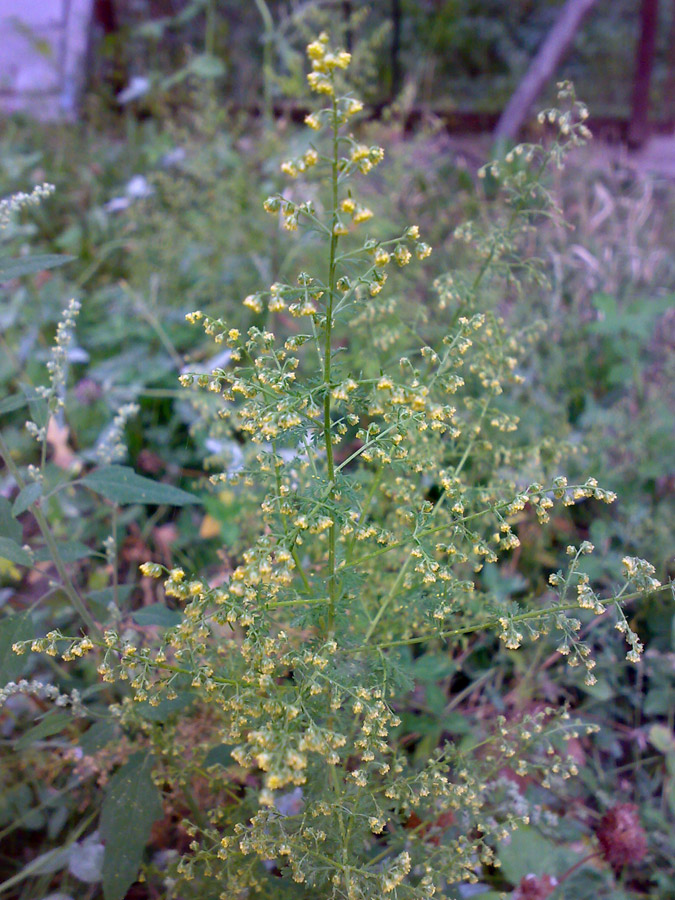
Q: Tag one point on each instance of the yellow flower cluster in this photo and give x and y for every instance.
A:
(365, 158)
(324, 63)
(294, 167)
(357, 212)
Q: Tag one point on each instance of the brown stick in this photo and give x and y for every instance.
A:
(557, 43)
(105, 15)
(669, 92)
(638, 130)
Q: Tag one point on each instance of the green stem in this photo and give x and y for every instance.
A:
(197, 814)
(369, 443)
(364, 509)
(496, 621)
(33, 868)
(78, 603)
(115, 561)
(268, 36)
(503, 504)
(298, 601)
(469, 446)
(327, 430)
(284, 522)
(404, 568)
(153, 320)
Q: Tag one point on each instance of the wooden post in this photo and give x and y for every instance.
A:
(347, 16)
(395, 48)
(669, 98)
(557, 43)
(105, 15)
(638, 129)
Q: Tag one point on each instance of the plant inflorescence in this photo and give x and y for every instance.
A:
(383, 486)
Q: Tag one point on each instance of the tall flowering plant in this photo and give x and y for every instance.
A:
(383, 487)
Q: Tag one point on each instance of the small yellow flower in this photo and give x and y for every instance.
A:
(362, 214)
(289, 168)
(311, 157)
(320, 84)
(316, 50)
(360, 151)
(253, 302)
(348, 205)
(382, 257)
(353, 106)
(402, 255)
(313, 122)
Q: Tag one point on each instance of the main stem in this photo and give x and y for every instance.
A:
(327, 431)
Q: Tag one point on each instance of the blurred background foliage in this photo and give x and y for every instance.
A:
(474, 51)
(159, 199)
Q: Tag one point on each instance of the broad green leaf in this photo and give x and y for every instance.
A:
(436, 697)
(601, 690)
(219, 756)
(132, 803)
(69, 551)
(12, 629)
(12, 551)
(15, 801)
(122, 485)
(670, 794)
(39, 411)
(9, 527)
(157, 614)
(526, 851)
(51, 724)
(107, 595)
(662, 738)
(101, 599)
(433, 668)
(456, 723)
(658, 701)
(26, 497)
(11, 403)
(98, 736)
(27, 265)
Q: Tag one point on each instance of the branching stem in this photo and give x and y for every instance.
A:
(327, 425)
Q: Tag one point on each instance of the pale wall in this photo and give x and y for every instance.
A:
(45, 85)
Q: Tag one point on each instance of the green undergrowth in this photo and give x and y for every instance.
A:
(342, 668)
